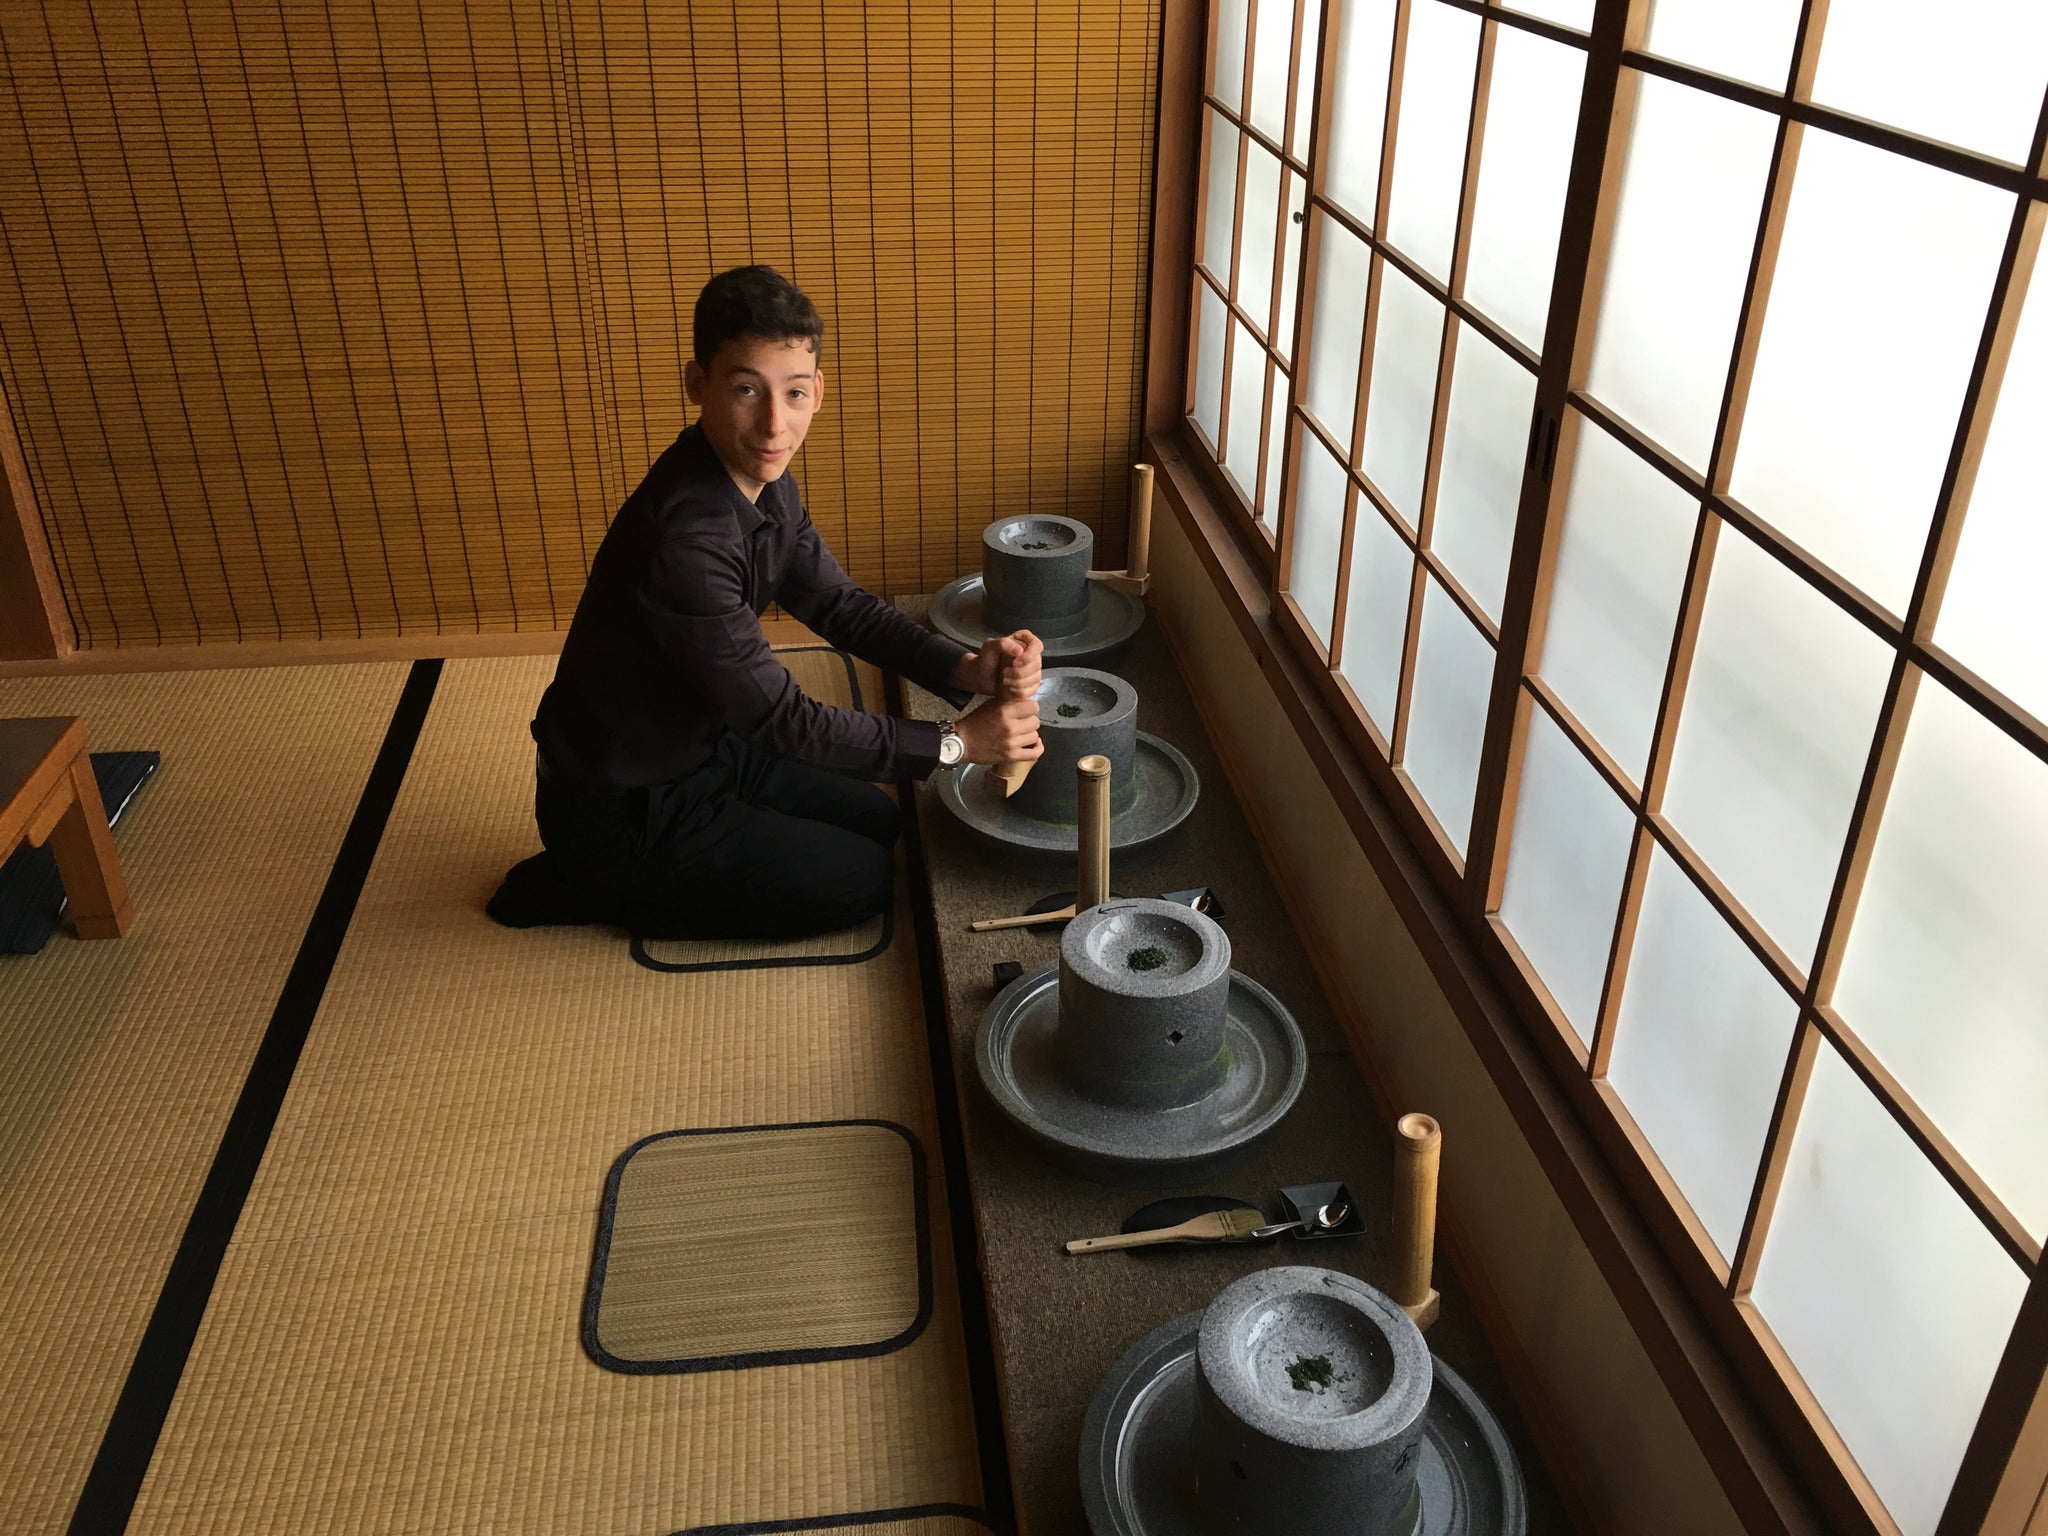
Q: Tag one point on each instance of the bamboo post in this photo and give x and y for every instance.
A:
(1418, 1148)
(1091, 877)
(1091, 872)
(1136, 577)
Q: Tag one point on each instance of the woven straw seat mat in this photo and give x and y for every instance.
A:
(393, 1340)
(124, 1057)
(893, 1523)
(770, 1245)
(830, 677)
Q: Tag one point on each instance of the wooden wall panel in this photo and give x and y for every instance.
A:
(361, 319)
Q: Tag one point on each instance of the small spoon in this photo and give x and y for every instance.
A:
(1324, 1219)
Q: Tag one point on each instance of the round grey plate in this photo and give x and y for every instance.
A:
(1138, 1478)
(1113, 617)
(1167, 791)
(1153, 1148)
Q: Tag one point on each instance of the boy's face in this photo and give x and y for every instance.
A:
(757, 399)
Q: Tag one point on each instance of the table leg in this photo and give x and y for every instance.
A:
(84, 847)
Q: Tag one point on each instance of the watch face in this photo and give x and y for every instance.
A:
(951, 749)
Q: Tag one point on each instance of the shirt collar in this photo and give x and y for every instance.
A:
(748, 515)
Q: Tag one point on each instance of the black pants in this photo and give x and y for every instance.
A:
(748, 845)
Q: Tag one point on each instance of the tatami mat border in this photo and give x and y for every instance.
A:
(639, 949)
(108, 1496)
(833, 1522)
(982, 1381)
(594, 1290)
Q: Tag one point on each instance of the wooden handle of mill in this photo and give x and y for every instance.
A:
(1011, 775)
(1418, 1148)
(1091, 879)
(1140, 535)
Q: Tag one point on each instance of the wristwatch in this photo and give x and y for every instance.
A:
(952, 750)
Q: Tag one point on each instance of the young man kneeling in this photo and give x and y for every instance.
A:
(687, 787)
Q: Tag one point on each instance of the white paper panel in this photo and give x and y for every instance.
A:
(1531, 121)
(1946, 973)
(1873, 325)
(1971, 73)
(1566, 864)
(1209, 332)
(1429, 151)
(1358, 114)
(1295, 191)
(1272, 47)
(1259, 235)
(1744, 39)
(1376, 615)
(1570, 13)
(1893, 1301)
(1992, 617)
(1773, 740)
(1276, 448)
(1337, 328)
(1226, 83)
(1305, 79)
(1485, 446)
(1220, 216)
(1318, 535)
(1247, 405)
(1691, 198)
(1614, 601)
(1407, 341)
(1447, 724)
(1699, 1049)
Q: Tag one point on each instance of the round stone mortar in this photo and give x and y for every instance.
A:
(1081, 712)
(1144, 1004)
(1034, 574)
(1310, 1394)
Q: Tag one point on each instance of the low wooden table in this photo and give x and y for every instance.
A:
(48, 795)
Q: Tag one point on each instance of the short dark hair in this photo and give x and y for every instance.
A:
(753, 301)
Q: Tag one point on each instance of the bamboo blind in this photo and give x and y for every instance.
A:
(362, 318)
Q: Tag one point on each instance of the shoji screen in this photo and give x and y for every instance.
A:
(362, 318)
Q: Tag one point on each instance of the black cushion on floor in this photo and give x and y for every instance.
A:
(31, 891)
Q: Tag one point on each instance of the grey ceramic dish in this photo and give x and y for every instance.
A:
(1016, 1052)
(1113, 617)
(1138, 1475)
(1167, 791)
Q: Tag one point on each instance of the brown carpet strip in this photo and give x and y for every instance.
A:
(393, 1340)
(763, 1245)
(130, 1062)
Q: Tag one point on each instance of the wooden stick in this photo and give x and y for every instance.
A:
(1091, 874)
(1012, 775)
(1136, 578)
(1418, 1148)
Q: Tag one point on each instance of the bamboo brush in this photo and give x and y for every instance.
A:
(1210, 1227)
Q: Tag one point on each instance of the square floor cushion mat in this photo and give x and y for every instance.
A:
(31, 891)
(761, 1245)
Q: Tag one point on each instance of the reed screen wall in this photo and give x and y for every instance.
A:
(361, 319)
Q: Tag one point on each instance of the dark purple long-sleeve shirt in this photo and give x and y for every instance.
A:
(666, 649)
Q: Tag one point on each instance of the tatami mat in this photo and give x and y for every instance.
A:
(763, 1245)
(392, 1344)
(123, 1058)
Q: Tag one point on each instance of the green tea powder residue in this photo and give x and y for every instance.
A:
(1310, 1373)
(1150, 958)
(1068, 711)
(1039, 545)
